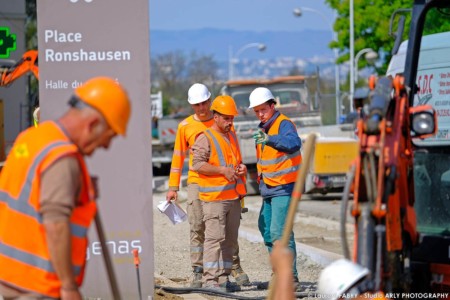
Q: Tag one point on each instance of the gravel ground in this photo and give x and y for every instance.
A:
(172, 255)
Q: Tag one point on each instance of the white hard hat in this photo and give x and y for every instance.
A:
(339, 277)
(259, 96)
(198, 93)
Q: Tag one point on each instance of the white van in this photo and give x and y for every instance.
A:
(433, 80)
(431, 155)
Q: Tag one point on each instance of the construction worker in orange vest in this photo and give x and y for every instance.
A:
(47, 196)
(278, 161)
(218, 161)
(188, 129)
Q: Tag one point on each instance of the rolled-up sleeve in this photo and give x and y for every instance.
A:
(201, 151)
(60, 187)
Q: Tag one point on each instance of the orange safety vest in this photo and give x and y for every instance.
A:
(188, 129)
(24, 256)
(223, 153)
(277, 167)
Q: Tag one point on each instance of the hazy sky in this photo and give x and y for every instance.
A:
(254, 15)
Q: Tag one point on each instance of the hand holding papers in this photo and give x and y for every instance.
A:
(175, 213)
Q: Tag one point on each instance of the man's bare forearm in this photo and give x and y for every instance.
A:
(60, 248)
(208, 169)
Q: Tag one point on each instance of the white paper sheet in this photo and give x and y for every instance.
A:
(171, 209)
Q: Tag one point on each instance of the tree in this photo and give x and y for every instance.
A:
(173, 73)
(168, 71)
(371, 27)
(202, 68)
(31, 28)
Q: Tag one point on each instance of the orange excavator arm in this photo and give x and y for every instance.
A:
(28, 63)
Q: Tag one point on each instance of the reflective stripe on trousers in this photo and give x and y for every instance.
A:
(222, 220)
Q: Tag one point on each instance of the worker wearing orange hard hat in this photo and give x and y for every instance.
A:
(47, 196)
(218, 161)
(199, 97)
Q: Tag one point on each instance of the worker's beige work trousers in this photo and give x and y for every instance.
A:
(197, 226)
(222, 220)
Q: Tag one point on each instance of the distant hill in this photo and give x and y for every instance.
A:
(298, 44)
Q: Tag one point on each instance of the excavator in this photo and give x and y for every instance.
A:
(401, 177)
(10, 72)
(28, 63)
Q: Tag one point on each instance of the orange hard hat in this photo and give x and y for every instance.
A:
(225, 105)
(110, 99)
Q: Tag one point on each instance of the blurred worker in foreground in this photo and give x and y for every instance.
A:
(278, 161)
(217, 159)
(47, 197)
(281, 259)
(339, 280)
(188, 129)
(342, 280)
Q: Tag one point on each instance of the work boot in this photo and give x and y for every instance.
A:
(196, 277)
(229, 287)
(240, 276)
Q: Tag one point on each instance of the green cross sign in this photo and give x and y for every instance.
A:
(7, 42)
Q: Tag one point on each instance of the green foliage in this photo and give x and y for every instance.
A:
(371, 27)
(437, 21)
(31, 27)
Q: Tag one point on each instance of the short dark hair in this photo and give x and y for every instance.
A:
(271, 101)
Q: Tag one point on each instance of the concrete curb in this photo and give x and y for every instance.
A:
(319, 256)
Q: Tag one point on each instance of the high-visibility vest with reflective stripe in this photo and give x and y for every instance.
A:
(187, 131)
(24, 255)
(277, 167)
(223, 153)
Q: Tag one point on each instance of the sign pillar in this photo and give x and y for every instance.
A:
(78, 40)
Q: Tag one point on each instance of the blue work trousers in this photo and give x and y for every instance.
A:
(272, 218)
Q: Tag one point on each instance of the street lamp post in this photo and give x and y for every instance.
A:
(232, 59)
(370, 56)
(298, 13)
(352, 56)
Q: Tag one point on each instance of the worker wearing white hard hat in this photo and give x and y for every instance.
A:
(278, 160)
(259, 96)
(198, 93)
(200, 99)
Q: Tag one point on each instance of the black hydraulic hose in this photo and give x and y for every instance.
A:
(368, 180)
(373, 175)
(187, 290)
(344, 205)
(213, 292)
